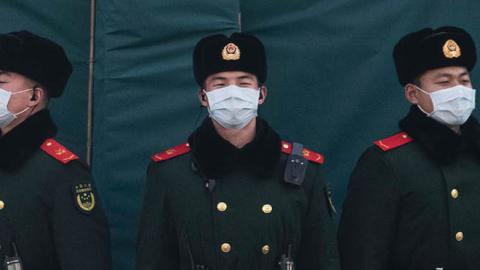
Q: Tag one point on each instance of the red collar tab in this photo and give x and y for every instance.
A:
(393, 142)
(308, 154)
(172, 152)
(58, 151)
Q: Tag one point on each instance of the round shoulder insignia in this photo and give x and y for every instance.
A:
(230, 52)
(451, 49)
(84, 197)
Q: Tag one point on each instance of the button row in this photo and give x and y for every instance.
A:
(455, 193)
(266, 208)
(226, 248)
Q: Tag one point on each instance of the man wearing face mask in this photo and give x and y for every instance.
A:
(235, 196)
(413, 198)
(50, 217)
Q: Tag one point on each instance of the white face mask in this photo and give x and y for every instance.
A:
(451, 106)
(233, 106)
(6, 117)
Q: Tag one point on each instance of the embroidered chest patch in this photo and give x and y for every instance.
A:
(84, 197)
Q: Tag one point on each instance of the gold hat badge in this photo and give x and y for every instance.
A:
(230, 52)
(451, 49)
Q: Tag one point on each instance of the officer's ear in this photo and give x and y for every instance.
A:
(263, 94)
(202, 97)
(411, 93)
(39, 95)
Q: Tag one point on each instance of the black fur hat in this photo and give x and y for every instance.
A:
(429, 48)
(219, 53)
(37, 58)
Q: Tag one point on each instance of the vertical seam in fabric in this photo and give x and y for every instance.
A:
(91, 61)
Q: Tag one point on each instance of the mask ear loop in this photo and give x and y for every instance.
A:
(22, 91)
(418, 105)
(22, 111)
(33, 98)
(423, 91)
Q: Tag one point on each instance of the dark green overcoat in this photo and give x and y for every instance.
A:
(413, 200)
(218, 207)
(49, 208)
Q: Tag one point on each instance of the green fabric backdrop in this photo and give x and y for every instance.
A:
(332, 84)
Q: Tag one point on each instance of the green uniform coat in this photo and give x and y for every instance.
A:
(40, 212)
(219, 207)
(415, 206)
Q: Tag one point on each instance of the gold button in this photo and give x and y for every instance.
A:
(267, 208)
(225, 247)
(454, 193)
(285, 146)
(265, 249)
(2, 205)
(404, 136)
(459, 236)
(221, 206)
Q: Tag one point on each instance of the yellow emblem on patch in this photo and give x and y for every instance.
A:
(451, 49)
(231, 52)
(84, 197)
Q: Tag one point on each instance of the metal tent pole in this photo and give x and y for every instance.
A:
(91, 61)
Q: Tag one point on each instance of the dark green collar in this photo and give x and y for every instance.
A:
(439, 141)
(20, 143)
(216, 157)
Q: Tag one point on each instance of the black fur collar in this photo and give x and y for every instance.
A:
(438, 140)
(215, 157)
(22, 141)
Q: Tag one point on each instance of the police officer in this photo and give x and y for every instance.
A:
(235, 196)
(50, 217)
(413, 198)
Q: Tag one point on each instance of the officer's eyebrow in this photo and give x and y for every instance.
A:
(449, 75)
(246, 77)
(217, 78)
(441, 75)
(4, 73)
(463, 74)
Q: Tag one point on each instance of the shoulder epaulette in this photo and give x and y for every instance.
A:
(172, 152)
(393, 142)
(308, 154)
(58, 151)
